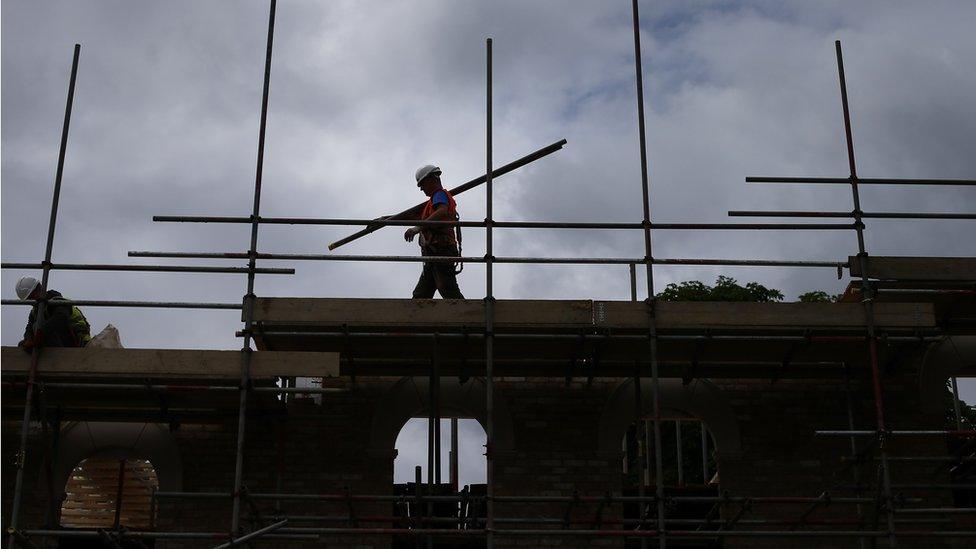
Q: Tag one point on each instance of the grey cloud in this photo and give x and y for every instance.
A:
(166, 120)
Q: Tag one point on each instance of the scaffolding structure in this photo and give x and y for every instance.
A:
(652, 524)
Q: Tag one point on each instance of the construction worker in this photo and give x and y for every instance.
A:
(64, 325)
(436, 241)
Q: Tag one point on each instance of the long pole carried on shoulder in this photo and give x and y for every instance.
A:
(414, 212)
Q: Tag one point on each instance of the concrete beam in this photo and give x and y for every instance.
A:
(396, 314)
(170, 363)
(917, 268)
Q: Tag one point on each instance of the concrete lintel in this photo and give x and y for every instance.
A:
(170, 363)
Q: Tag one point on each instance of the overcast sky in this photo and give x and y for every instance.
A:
(168, 100)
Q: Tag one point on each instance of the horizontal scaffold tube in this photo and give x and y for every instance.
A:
(860, 181)
(146, 304)
(607, 533)
(607, 521)
(871, 215)
(176, 387)
(219, 536)
(145, 268)
(505, 224)
(524, 499)
(938, 433)
(311, 533)
(537, 260)
(599, 337)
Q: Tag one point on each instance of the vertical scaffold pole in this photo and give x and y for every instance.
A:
(862, 542)
(956, 408)
(489, 321)
(431, 403)
(249, 296)
(648, 262)
(437, 410)
(704, 453)
(455, 481)
(40, 306)
(867, 295)
(640, 441)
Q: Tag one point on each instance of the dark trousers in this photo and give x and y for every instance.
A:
(438, 276)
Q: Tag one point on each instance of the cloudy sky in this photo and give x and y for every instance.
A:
(167, 108)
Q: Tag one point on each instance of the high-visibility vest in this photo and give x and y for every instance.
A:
(439, 236)
(78, 324)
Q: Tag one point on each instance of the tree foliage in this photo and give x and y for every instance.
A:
(725, 289)
(819, 296)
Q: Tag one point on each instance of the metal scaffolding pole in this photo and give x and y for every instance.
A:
(868, 300)
(863, 215)
(314, 533)
(956, 408)
(139, 304)
(489, 313)
(648, 254)
(249, 296)
(436, 406)
(864, 181)
(853, 443)
(455, 481)
(640, 440)
(415, 211)
(540, 260)
(603, 498)
(41, 304)
(660, 533)
(140, 268)
(731, 226)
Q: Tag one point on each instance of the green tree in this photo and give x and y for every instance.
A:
(819, 296)
(725, 289)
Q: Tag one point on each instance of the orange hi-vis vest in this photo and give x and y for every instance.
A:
(439, 236)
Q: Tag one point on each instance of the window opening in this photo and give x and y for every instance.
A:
(689, 469)
(962, 450)
(463, 475)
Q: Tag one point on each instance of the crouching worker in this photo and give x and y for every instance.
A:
(64, 325)
(436, 241)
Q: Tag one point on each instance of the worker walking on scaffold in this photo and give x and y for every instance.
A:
(436, 241)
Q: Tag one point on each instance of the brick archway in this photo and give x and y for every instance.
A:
(700, 399)
(149, 441)
(408, 398)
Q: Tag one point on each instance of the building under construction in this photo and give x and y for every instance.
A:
(631, 423)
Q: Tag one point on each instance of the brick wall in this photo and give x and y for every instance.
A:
(554, 451)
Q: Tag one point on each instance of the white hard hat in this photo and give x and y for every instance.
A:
(26, 286)
(426, 170)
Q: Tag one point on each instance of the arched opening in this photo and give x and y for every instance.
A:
(455, 466)
(689, 470)
(946, 378)
(110, 493)
(961, 463)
